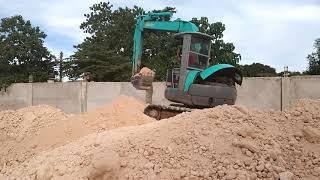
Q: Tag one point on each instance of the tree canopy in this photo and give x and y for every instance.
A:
(290, 73)
(22, 52)
(107, 53)
(314, 59)
(257, 70)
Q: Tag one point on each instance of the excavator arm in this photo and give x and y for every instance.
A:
(155, 21)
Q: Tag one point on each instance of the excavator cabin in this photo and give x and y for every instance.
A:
(195, 55)
(186, 84)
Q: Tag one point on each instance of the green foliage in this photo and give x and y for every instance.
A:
(22, 52)
(257, 70)
(159, 52)
(107, 52)
(63, 66)
(314, 59)
(291, 73)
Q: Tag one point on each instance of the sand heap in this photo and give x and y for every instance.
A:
(26, 132)
(15, 125)
(124, 111)
(20, 131)
(145, 72)
(226, 142)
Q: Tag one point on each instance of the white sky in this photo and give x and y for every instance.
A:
(277, 33)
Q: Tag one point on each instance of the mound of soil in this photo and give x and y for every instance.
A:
(225, 142)
(28, 131)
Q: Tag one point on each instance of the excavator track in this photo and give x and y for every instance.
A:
(162, 112)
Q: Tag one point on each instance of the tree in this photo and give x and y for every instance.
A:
(106, 53)
(290, 73)
(22, 52)
(314, 59)
(257, 70)
(108, 50)
(62, 66)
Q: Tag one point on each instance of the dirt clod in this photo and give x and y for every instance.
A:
(286, 175)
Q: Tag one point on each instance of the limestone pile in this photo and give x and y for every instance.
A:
(225, 142)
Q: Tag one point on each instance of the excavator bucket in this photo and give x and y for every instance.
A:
(143, 80)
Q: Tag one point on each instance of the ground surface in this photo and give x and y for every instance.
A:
(117, 141)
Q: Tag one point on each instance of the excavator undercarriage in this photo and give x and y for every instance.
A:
(162, 111)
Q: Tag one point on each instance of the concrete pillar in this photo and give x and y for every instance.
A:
(149, 93)
(285, 93)
(83, 96)
(29, 94)
(184, 61)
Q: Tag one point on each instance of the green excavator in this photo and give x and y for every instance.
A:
(193, 85)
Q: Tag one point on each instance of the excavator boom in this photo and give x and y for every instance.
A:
(155, 21)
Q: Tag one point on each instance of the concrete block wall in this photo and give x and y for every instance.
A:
(260, 93)
(17, 96)
(75, 97)
(300, 87)
(66, 96)
(99, 93)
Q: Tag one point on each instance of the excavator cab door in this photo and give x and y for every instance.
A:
(199, 53)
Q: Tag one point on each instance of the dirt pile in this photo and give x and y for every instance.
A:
(26, 132)
(17, 124)
(124, 111)
(226, 142)
(23, 132)
(146, 72)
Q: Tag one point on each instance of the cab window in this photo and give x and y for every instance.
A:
(199, 53)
